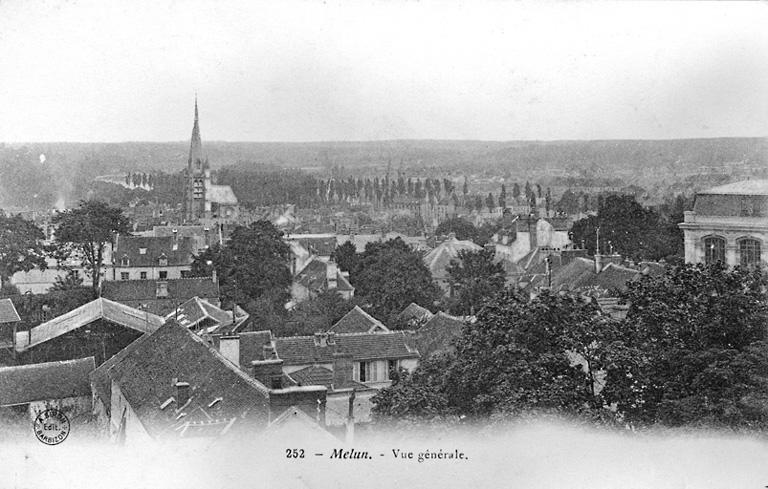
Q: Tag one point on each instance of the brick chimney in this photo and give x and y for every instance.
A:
(599, 262)
(342, 369)
(269, 352)
(182, 393)
(331, 273)
(229, 347)
(321, 339)
(268, 372)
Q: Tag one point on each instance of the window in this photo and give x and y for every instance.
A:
(375, 371)
(124, 261)
(163, 260)
(142, 251)
(714, 250)
(123, 275)
(392, 366)
(186, 273)
(163, 275)
(749, 252)
(143, 275)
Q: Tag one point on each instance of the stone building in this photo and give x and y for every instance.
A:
(728, 224)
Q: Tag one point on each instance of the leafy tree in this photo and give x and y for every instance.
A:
(251, 265)
(86, 230)
(516, 190)
(70, 281)
(389, 276)
(316, 314)
(693, 349)
(463, 229)
(490, 202)
(474, 277)
(503, 196)
(21, 247)
(346, 257)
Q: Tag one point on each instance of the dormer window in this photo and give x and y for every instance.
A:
(142, 251)
(175, 246)
(125, 261)
(163, 260)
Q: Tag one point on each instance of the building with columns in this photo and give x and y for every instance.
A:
(728, 224)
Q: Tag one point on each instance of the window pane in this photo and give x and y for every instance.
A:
(714, 250)
(749, 252)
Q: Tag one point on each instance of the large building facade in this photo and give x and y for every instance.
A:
(728, 224)
(205, 202)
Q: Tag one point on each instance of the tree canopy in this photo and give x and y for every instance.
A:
(463, 229)
(86, 230)
(474, 277)
(21, 247)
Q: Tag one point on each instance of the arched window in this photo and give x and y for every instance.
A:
(714, 250)
(749, 252)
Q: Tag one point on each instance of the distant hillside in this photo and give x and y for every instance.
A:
(635, 161)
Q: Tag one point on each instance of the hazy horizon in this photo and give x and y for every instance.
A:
(343, 71)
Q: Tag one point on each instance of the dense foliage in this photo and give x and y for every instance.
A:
(21, 246)
(463, 229)
(473, 277)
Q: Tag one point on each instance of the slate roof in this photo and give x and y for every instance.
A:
(414, 312)
(301, 350)
(318, 375)
(146, 372)
(321, 245)
(156, 247)
(23, 384)
(580, 274)
(439, 258)
(437, 334)
(358, 321)
(8, 312)
(221, 194)
(146, 290)
(142, 321)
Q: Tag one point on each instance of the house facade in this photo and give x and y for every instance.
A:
(150, 258)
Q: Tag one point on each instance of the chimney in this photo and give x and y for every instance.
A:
(268, 372)
(331, 272)
(342, 369)
(598, 263)
(229, 347)
(321, 339)
(214, 277)
(532, 234)
(182, 393)
(269, 352)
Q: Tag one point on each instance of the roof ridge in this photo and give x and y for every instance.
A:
(30, 366)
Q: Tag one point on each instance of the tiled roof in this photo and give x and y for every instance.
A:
(321, 245)
(317, 375)
(580, 274)
(142, 321)
(195, 310)
(358, 321)
(8, 312)
(301, 350)
(438, 334)
(221, 194)
(178, 252)
(414, 312)
(312, 276)
(147, 372)
(438, 259)
(45, 381)
(144, 290)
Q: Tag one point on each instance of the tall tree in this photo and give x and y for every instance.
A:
(503, 196)
(474, 277)
(21, 247)
(346, 257)
(459, 226)
(86, 230)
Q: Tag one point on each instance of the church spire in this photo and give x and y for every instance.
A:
(196, 160)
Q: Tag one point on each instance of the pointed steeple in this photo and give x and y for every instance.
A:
(196, 160)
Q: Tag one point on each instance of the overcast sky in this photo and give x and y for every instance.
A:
(366, 70)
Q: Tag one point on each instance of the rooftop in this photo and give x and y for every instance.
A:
(745, 187)
(8, 312)
(358, 321)
(301, 350)
(45, 381)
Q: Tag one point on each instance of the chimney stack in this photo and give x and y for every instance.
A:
(182, 393)
(598, 263)
(269, 352)
(269, 372)
(342, 369)
(229, 347)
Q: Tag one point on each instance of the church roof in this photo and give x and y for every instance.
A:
(196, 145)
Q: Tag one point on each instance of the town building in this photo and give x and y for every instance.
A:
(358, 321)
(320, 276)
(161, 296)
(149, 258)
(728, 224)
(439, 259)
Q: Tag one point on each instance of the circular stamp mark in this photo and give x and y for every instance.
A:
(51, 426)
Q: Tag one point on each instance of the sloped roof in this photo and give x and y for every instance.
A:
(8, 312)
(101, 308)
(178, 252)
(317, 375)
(139, 290)
(23, 384)
(295, 424)
(439, 258)
(221, 194)
(745, 187)
(316, 244)
(580, 274)
(301, 350)
(190, 313)
(358, 321)
(312, 276)
(414, 312)
(146, 374)
(437, 334)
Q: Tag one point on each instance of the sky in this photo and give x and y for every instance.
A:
(104, 71)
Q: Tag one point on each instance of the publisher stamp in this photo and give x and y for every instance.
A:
(51, 426)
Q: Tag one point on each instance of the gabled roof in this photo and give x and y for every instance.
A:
(221, 194)
(142, 321)
(195, 310)
(302, 350)
(358, 321)
(145, 290)
(8, 312)
(178, 251)
(295, 424)
(414, 312)
(317, 375)
(439, 258)
(23, 384)
(437, 334)
(146, 372)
